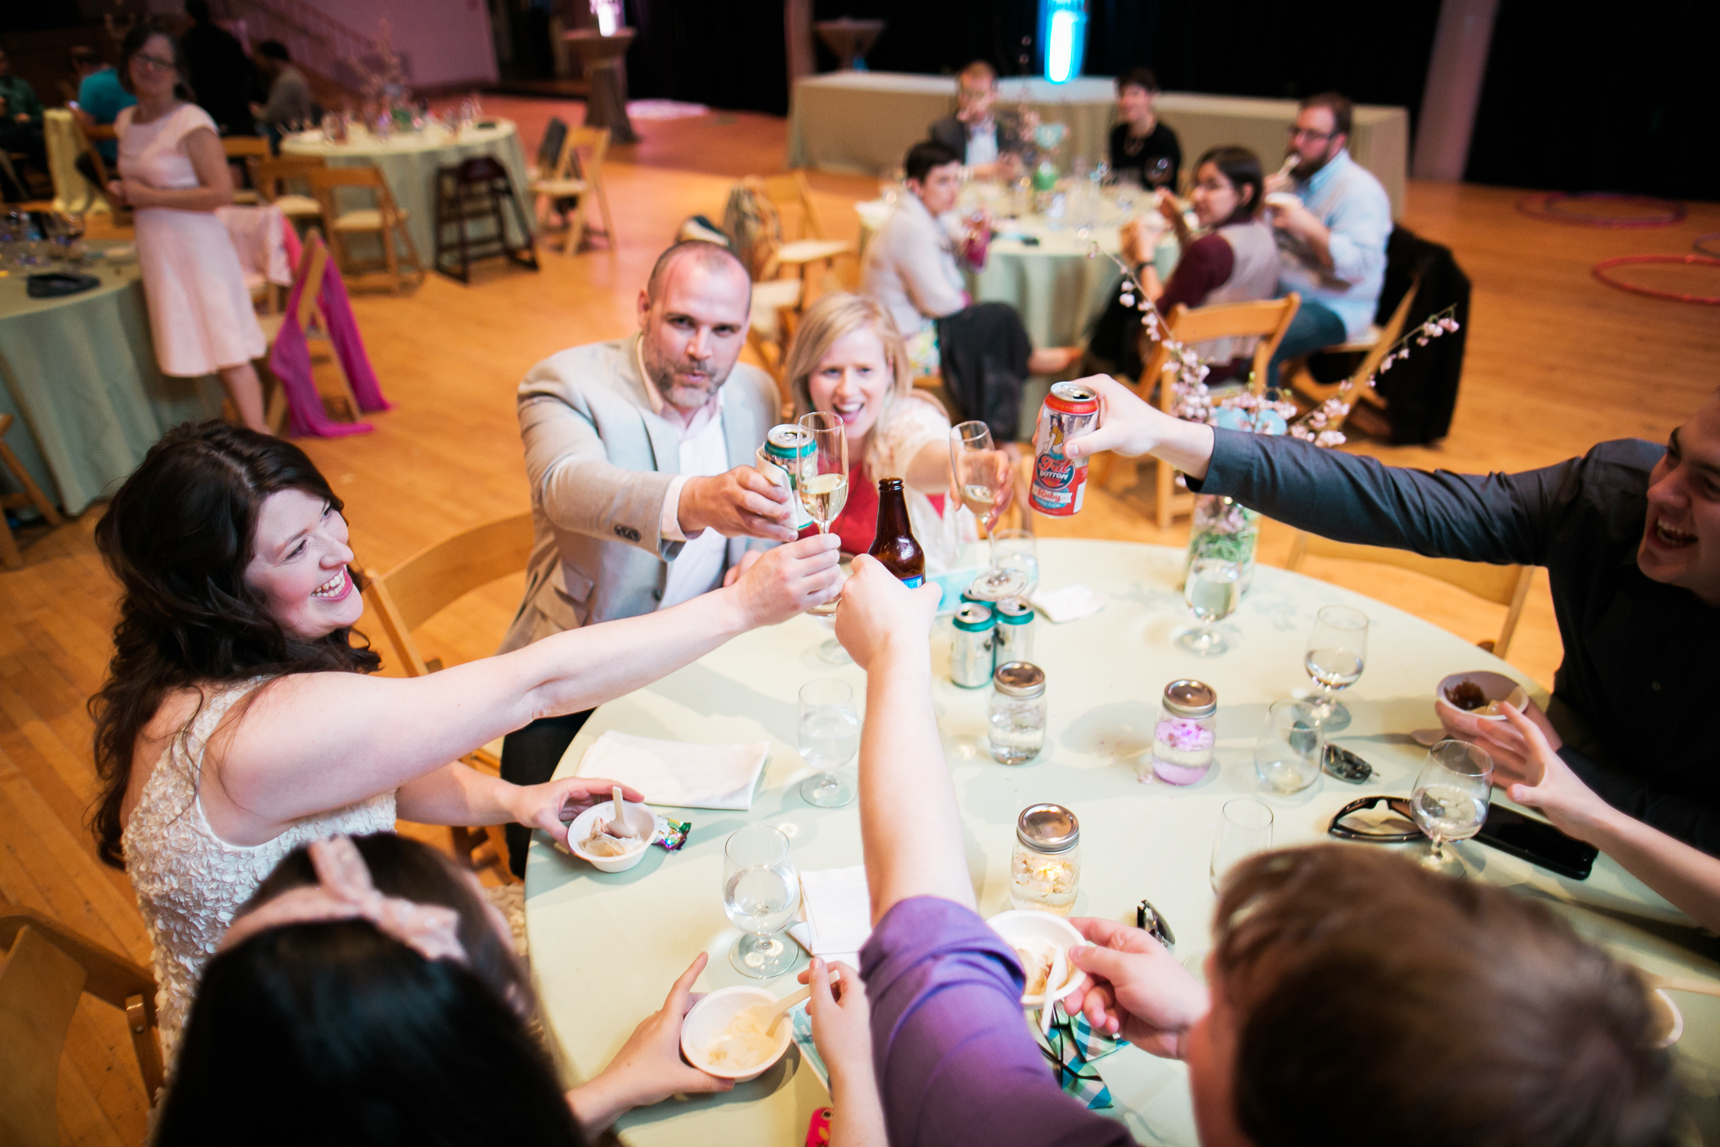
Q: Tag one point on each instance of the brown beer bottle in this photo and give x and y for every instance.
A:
(894, 543)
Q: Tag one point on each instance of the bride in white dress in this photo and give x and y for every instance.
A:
(174, 174)
(238, 721)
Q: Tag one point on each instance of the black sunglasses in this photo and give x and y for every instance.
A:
(1386, 832)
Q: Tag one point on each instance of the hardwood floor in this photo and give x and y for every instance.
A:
(1556, 362)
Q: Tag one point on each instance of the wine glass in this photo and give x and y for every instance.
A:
(1212, 589)
(829, 737)
(1337, 651)
(1017, 550)
(823, 479)
(1450, 799)
(1159, 172)
(1244, 828)
(1287, 754)
(761, 892)
(980, 470)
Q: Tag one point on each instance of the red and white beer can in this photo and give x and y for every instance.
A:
(1060, 482)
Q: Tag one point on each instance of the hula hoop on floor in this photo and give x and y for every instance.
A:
(1604, 267)
(1708, 238)
(1545, 205)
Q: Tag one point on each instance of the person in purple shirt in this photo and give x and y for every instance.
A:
(1355, 997)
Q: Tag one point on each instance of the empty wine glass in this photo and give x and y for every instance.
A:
(1336, 654)
(761, 892)
(980, 471)
(1212, 588)
(1018, 551)
(1287, 755)
(823, 479)
(1244, 828)
(1450, 799)
(829, 737)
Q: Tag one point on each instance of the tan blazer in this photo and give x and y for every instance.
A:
(600, 463)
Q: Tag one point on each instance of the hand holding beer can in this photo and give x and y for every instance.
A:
(1060, 482)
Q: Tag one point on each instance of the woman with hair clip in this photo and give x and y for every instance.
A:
(174, 174)
(238, 720)
(847, 359)
(368, 993)
(1235, 260)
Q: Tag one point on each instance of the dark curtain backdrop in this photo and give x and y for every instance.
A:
(1585, 100)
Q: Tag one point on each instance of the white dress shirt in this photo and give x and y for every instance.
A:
(982, 143)
(703, 453)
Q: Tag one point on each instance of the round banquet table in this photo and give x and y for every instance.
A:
(79, 372)
(606, 947)
(409, 162)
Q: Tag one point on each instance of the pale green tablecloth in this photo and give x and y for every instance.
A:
(606, 947)
(409, 162)
(79, 373)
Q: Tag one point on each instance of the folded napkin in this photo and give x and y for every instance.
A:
(838, 910)
(678, 774)
(1071, 603)
(1070, 1050)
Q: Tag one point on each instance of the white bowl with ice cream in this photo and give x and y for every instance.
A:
(716, 1044)
(642, 820)
(1041, 942)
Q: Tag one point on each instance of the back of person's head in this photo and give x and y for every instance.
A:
(178, 536)
(84, 58)
(1340, 107)
(924, 156)
(274, 50)
(339, 1031)
(1138, 77)
(1376, 1002)
(1242, 168)
(832, 318)
(198, 10)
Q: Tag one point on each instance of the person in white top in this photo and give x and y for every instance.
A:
(239, 720)
(174, 174)
(848, 359)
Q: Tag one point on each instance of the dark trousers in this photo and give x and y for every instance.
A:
(983, 351)
(529, 757)
(1314, 327)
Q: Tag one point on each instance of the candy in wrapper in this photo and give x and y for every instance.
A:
(672, 834)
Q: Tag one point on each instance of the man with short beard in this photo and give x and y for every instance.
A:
(639, 455)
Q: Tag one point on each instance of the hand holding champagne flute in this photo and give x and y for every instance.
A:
(981, 475)
(823, 476)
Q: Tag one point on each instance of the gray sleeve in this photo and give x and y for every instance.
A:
(1500, 518)
(580, 490)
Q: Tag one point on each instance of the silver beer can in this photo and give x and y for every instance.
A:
(785, 450)
(971, 650)
(1014, 637)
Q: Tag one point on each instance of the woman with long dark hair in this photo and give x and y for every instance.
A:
(238, 721)
(367, 994)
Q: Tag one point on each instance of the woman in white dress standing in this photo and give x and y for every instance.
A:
(173, 173)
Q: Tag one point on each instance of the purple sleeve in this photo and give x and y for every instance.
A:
(1203, 269)
(955, 1061)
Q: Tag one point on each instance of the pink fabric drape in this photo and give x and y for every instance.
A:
(290, 359)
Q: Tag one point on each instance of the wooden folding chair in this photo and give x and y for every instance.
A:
(801, 242)
(1502, 585)
(422, 586)
(274, 177)
(386, 220)
(32, 496)
(1266, 320)
(1372, 346)
(770, 329)
(313, 263)
(241, 149)
(48, 969)
(578, 176)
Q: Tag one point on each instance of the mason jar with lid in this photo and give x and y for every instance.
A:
(1184, 735)
(1045, 865)
(1017, 711)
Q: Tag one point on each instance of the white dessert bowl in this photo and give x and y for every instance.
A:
(705, 1023)
(1668, 1020)
(1493, 686)
(1022, 926)
(640, 817)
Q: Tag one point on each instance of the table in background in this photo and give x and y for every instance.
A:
(409, 162)
(79, 372)
(606, 947)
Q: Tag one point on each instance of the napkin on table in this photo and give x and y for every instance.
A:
(838, 909)
(1071, 603)
(676, 773)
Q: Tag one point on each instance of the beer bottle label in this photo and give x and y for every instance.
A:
(914, 582)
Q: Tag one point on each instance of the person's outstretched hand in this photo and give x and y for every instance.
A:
(1139, 990)
(790, 579)
(553, 805)
(878, 611)
(1513, 757)
(1552, 787)
(1126, 425)
(841, 1019)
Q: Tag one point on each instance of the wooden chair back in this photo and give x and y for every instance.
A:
(49, 967)
(791, 195)
(10, 556)
(550, 151)
(1316, 393)
(313, 264)
(268, 173)
(1502, 585)
(1266, 320)
(582, 154)
(245, 146)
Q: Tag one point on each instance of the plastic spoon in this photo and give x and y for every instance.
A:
(1053, 977)
(1678, 984)
(768, 1015)
(618, 826)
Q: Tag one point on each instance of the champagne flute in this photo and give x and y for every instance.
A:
(829, 737)
(1450, 799)
(980, 469)
(823, 480)
(1212, 589)
(1244, 828)
(761, 892)
(1336, 653)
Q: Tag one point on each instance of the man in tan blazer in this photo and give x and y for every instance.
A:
(639, 453)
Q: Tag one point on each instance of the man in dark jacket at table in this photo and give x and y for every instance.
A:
(1630, 536)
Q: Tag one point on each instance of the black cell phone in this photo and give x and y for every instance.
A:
(1537, 842)
(1030, 240)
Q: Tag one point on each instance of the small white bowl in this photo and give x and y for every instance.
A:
(1027, 925)
(1493, 686)
(637, 815)
(704, 1025)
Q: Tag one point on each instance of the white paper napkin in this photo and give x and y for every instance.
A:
(677, 773)
(1071, 603)
(838, 909)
